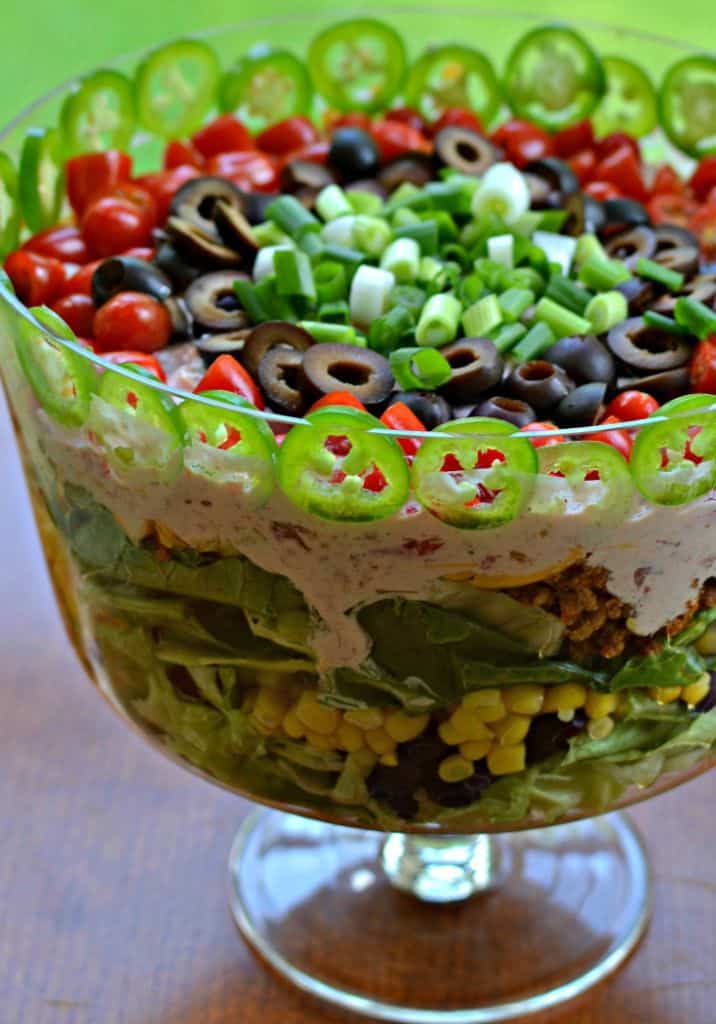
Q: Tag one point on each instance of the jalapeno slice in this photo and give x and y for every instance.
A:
(583, 476)
(99, 115)
(479, 479)
(629, 104)
(41, 182)
(228, 445)
(453, 76)
(265, 88)
(336, 469)
(9, 208)
(175, 86)
(687, 105)
(674, 462)
(61, 380)
(553, 77)
(357, 64)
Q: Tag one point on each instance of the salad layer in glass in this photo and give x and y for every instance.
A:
(372, 440)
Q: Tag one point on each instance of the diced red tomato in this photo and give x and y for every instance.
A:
(703, 366)
(632, 405)
(619, 439)
(703, 180)
(181, 154)
(132, 320)
(141, 252)
(355, 119)
(313, 153)
(143, 359)
(399, 416)
(250, 170)
(63, 242)
(375, 481)
(225, 134)
(460, 117)
(672, 209)
(574, 139)
(163, 184)
(616, 140)
(667, 182)
(602, 190)
(703, 224)
(37, 280)
(78, 313)
(583, 164)
(393, 138)
(544, 442)
(79, 283)
(523, 141)
(338, 398)
(226, 374)
(409, 116)
(95, 173)
(110, 226)
(287, 135)
(621, 167)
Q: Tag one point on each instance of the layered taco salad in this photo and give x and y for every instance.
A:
(372, 437)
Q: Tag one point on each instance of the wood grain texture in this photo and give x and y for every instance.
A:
(113, 861)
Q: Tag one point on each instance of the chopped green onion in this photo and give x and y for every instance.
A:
(606, 310)
(312, 244)
(268, 234)
(423, 368)
(558, 249)
(335, 312)
(470, 289)
(438, 321)
(365, 202)
(404, 216)
(560, 320)
(695, 316)
(246, 294)
(665, 323)
(330, 280)
(458, 253)
(264, 262)
(370, 289)
(514, 302)
(589, 248)
(407, 194)
(371, 234)
(501, 249)
(603, 275)
(671, 279)
(340, 231)
(430, 269)
(552, 220)
(506, 337)
(277, 306)
(387, 331)
(503, 191)
(482, 317)
(524, 277)
(291, 216)
(527, 224)
(349, 258)
(537, 340)
(410, 297)
(450, 196)
(537, 259)
(340, 334)
(332, 202)
(492, 274)
(402, 259)
(566, 293)
(294, 276)
(447, 228)
(425, 233)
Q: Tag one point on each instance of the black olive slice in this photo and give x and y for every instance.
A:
(672, 236)
(621, 214)
(235, 230)
(665, 385)
(584, 359)
(181, 271)
(279, 375)
(213, 303)
(211, 346)
(639, 294)
(464, 150)
(182, 322)
(334, 367)
(539, 383)
(255, 203)
(585, 215)
(195, 202)
(431, 409)
(630, 246)
(353, 154)
(417, 169)
(126, 274)
(197, 247)
(645, 347)
(684, 259)
(297, 174)
(540, 191)
(273, 334)
(476, 366)
(511, 410)
(557, 173)
(583, 406)
(701, 289)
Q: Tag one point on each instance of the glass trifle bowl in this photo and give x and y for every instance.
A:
(440, 618)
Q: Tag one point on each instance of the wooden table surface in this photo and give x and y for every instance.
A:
(113, 861)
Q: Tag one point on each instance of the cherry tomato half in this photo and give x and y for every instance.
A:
(622, 169)
(672, 209)
(226, 374)
(544, 442)
(356, 119)
(37, 280)
(393, 138)
(619, 439)
(616, 140)
(399, 416)
(250, 170)
(78, 312)
(63, 242)
(574, 139)
(703, 224)
(163, 184)
(225, 134)
(703, 366)
(601, 190)
(80, 283)
(667, 182)
(313, 153)
(181, 154)
(95, 173)
(143, 359)
(460, 117)
(338, 398)
(583, 164)
(132, 320)
(287, 135)
(523, 141)
(409, 116)
(109, 226)
(704, 178)
(632, 405)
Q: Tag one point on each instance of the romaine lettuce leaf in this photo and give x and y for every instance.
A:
(671, 666)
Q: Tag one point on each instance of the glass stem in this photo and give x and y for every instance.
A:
(441, 869)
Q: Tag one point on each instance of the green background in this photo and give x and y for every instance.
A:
(43, 42)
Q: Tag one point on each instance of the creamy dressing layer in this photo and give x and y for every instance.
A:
(657, 557)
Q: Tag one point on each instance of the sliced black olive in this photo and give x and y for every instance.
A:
(639, 294)
(371, 185)
(431, 409)
(647, 348)
(273, 334)
(630, 246)
(558, 174)
(511, 410)
(255, 203)
(213, 303)
(548, 734)
(353, 154)
(585, 215)
(701, 289)
(539, 383)
(279, 375)
(684, 259)
(361, 371)
(583, 406)
(621, 214)
(298, 174)
(211, 346)
(181, 271)
(672, 236)
(476, 366)
(235, 230)
(464, 150)
(195, 202)
(196, 247)
(665, 385)
(126, 274)
(417, 169)
(540, 191)
(584, 359)
(182, 322)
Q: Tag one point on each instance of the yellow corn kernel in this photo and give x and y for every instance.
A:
(293, 726)
(600, 728)
(389, 760)
(598, 705)
(506, 760)
(695, 692)
(524, 700)
(665, 694)
(350, 737)
(512, 729)
(365, 718)
(317, 716)
(269, 708)
(455, 768)
(468, 725)
(379, 741)
(486, 698)
(706, 643)
(475, 750)
(566, 697)
(404, 727)
(449, 734)
(365, 759)
(490, 714)
(321, 742)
